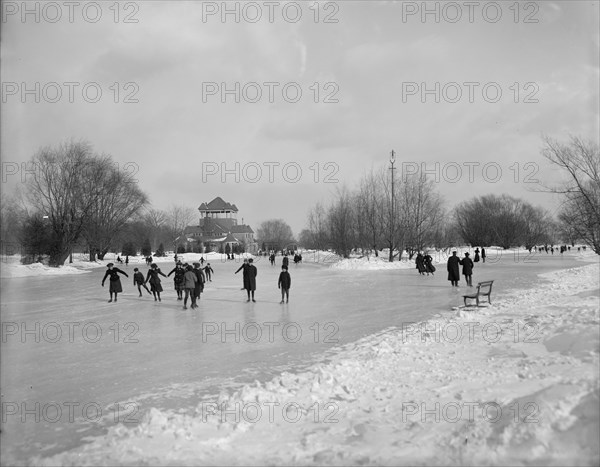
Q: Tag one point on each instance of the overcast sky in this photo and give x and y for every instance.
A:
(371, 60)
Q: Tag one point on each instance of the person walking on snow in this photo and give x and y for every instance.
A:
(115, 282)
(138, 279)
(453, 270)
(467, 271)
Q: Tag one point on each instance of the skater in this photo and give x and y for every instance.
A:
(127, 260)
(252, 272)
(427, 261)
(201, 261)
(138, 279)
(420, 264)
(244, 269)
(467, 271)
(483, 254)
(272, 259)
(209, 272)
(176, 261)
(115, 282)
(189, 284)
(286, 261)
(199, 284)
(476, 259)
(284, 283)
(178, 279)
(155, 285)
(453, 272)
(119, 260)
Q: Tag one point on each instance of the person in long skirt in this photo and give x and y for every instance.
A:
(178, 279)
(189, 285)
(476, 259)
(115, 282)
(138, 279)
(428, 262)
(453, 269)
(483, 254)
(155, 285)
(467, 265)
(199, 284)
(284, 283)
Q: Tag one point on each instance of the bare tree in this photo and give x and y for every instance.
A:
(178, 218)
(113, 198)
(581, 205)
(317, 225)
(342, 223)
(275, 233)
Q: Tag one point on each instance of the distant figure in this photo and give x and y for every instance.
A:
(209, 272)
(155, 285)
(176, 258)
(119, 260)
(138, 279)
(428, 262)
(453, 269)
(148, 260)
(272, 259)
(115, 282)
(189, 285)
(483, 254)
(467, 265)
(285, 262)
(420, 263)
(199, 284)
(201, 261)
(476, 259)
(284, 283)
(127, 260)
(178, 279)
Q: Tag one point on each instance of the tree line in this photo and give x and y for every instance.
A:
(370, 217)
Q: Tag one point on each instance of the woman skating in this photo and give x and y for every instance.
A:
(155, 285)
(115, 282)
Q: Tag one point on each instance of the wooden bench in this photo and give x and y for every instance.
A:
(484, 289)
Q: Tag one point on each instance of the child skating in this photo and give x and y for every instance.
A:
(209, 272)
(189, 284)
(155, 285)
(138, 279)
(199, 284)
(115, 282)
(284, 283)
(178, 279)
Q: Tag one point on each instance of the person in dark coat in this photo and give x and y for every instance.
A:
(483, 254)
(252, 273)
(467, 271)
(189, 285)
(127, 260)
(453, 269)
(199, 284)
(420, 264)
(284, 283)
(209, 272)
(272, 259)
(428, 263)
(476, 259)
(286, 261)
(115, 282)
(178, 279)
(154, 280)
(138, 279)
(244, 269)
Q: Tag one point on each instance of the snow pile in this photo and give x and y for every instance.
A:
(371, 263)
(14, 269)
(515, 383)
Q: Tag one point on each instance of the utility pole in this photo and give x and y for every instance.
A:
(392, 221)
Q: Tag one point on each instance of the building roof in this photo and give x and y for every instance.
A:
(218, 205)
(231, 239)
(241, 228)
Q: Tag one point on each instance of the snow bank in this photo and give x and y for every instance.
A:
(515, 383)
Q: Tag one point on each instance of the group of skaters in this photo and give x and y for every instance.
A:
(285, 260)
(551, 248)
(425, 266)
(190, 279)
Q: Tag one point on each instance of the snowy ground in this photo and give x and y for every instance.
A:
(513, 383)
